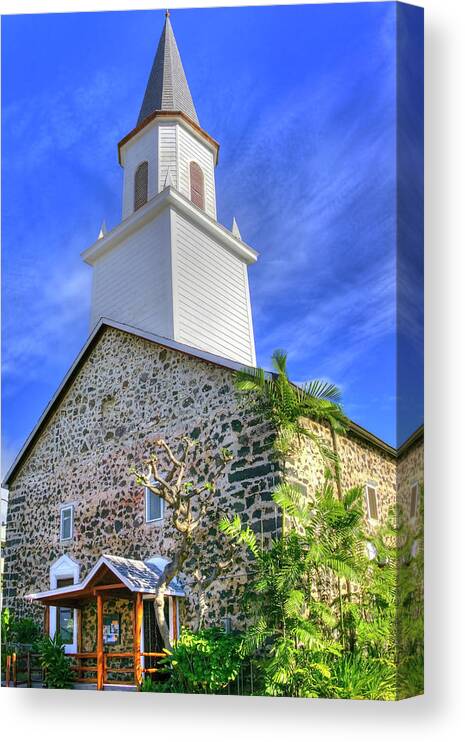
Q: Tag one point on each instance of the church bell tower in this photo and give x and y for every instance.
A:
(169, 267)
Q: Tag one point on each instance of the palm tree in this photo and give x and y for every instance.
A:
(287, 405)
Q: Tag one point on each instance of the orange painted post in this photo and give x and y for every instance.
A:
(100, 668)
(28, 670)
(175, 619)
(138, 615)
(79, 630)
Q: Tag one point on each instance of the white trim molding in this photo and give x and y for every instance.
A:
(64, 568)
(170, 197)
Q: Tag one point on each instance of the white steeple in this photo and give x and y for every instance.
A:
(169, 267)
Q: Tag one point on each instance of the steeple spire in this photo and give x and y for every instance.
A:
(167, 88)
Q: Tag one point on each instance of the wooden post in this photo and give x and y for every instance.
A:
(137, 624)
(46, 620)
(8, 668)
(79, 629)
(175, 619)
(28, 670)
(13, 659)
(100, 641)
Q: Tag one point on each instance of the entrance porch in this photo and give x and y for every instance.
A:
(118, 642)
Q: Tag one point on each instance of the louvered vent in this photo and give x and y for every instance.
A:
(197, 185)
(372, 503)
(141, 182)
(413, 500)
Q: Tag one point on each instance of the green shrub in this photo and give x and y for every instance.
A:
(149, 685)
(26, 631)
(203, 662)
(55, 663)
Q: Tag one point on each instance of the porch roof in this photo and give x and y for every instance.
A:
(133, 576)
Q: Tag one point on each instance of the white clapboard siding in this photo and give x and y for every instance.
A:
(212, 310)
(167, 154)
(143, 147)
(191, 149)
(132, 282)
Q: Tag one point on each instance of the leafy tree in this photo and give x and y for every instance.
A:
(313, 640)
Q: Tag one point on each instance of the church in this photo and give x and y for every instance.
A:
(171, 324)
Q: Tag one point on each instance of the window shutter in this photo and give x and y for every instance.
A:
(141, 184)
(197, 185)
(372, 503)
(413, 500)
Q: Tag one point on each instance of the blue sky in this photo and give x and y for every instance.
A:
(303, 102)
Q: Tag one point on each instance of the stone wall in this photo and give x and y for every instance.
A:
(410, 470)
(361, 462)
(128, 391)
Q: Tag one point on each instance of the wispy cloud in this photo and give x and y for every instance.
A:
(40, 326)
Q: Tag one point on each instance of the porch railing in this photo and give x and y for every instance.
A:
(20, 668)
(23, 668)
(83, 672)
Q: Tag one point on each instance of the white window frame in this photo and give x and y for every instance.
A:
(64, 568)
(413, 517)
(62, 510)
(374, 487)
(147, 493)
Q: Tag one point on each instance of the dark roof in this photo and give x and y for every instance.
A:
(138, 576)
(102, 325)
(167, 88)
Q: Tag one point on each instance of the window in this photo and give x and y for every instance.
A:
(197, 185)
(66, 523)
(66, 625)
(413, 500)
(141, 185)
(153, 506)
(372, 502)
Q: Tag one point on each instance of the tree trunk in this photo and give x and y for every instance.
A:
(159, 605)
(337, 472)
(337, 465)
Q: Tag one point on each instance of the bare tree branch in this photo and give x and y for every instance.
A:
(192, 507)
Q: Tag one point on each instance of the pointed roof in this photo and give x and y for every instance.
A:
(136, 575)
(167, 88)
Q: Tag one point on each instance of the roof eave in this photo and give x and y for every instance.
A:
(170, 196)
(214, 145)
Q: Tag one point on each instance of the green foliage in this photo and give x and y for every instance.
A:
(356, 676)
(25, 631)
(149, 685)
(203, 662)
(54, 661)
(286, 404)
(327, 621)
(6, 625)
(15, 633)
